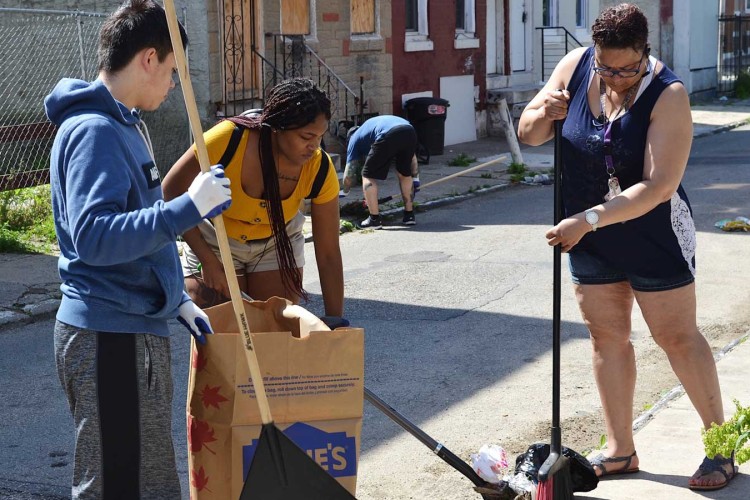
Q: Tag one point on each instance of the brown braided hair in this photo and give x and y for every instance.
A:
(290, 105)
(622, 26)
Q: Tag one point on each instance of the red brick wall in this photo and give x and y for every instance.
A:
(421, 71)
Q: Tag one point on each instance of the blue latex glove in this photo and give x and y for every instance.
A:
(195, 320)
(334, 322)
(210, 192)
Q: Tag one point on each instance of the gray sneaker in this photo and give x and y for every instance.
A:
(409, 219)
(371, 222)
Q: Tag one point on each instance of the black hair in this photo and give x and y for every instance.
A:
(290, 105)
(622, 26)
(134, 26)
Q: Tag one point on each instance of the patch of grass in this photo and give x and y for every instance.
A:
(462, 160)
(518, 171)
(742, 87)
(27, 220)
(486, 175)
(517, 168)
(12, 241)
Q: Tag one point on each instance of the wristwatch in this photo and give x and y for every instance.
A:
(592, 217)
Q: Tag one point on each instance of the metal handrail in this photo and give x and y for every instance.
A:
(571, 42)
(330, 71)
(294, 57)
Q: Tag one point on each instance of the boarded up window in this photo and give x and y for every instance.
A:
(363, 16)
(295, 17)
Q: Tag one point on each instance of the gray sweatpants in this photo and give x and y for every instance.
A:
(119, 388)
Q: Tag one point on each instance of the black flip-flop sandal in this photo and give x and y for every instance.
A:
(711, 465)
(601, 459)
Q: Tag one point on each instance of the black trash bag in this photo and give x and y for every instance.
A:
(582, 474)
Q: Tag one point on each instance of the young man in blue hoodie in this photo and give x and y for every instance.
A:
(120, 271)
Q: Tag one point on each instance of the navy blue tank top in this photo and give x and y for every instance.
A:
(660, 243)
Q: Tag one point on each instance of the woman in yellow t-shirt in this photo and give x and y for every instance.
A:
(274, 168)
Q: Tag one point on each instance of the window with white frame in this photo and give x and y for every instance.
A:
(581, 8)
(417, 31)
(465, 25)
(747, 5)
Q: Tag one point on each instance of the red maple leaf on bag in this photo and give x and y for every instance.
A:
(200, 480)
(211, 397)
(200, 433)
(199, 360)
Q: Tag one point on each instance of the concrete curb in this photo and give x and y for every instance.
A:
(723, 128)
(678, 390)
(30, 313)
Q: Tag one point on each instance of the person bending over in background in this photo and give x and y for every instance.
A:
(120, 271)
(628, 227)
(372, 147)
(277, 164)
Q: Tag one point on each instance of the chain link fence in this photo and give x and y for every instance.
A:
(37, 49)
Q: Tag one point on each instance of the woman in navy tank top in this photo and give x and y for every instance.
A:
(628, 226)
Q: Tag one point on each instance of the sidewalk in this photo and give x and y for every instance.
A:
(667, 440)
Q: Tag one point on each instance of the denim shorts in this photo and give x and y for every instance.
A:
(587, 268)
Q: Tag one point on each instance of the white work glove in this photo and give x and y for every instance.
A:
(195, 320)
(210, 192)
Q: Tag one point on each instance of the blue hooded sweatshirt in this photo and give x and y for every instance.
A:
(118, 262)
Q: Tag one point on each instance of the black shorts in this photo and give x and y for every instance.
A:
(398, 144)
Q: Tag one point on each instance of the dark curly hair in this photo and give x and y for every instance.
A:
(290, 105)
(622, 26)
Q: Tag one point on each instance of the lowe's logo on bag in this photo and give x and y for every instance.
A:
(334, 452)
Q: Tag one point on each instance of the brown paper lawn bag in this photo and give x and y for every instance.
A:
(314, 380)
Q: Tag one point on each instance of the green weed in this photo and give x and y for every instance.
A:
(27, 223)
(346, 226)
(486, 175)
(517, 168)
(742, 87)
(462, 160)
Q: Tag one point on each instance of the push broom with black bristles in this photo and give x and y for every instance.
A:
(554, 478)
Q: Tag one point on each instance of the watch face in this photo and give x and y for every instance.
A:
(592, 217)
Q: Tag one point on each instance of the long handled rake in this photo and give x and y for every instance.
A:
(280, 470)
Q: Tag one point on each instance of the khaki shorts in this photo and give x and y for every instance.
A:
(251, 256)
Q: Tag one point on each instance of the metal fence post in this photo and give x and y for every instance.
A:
(80, 46)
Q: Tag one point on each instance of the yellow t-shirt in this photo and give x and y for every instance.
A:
(247, 219)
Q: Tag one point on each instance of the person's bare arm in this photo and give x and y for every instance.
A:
(176, 182)
(535, 125)
(325, 225)
(670, 135)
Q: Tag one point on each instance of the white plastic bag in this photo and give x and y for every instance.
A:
(491, 463)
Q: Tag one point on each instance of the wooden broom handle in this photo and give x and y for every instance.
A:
(226, 254)
(464, 172)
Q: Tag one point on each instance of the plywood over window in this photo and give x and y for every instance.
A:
(295, 17)
(363, 16)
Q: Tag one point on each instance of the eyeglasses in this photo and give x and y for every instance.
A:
(622, 73)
